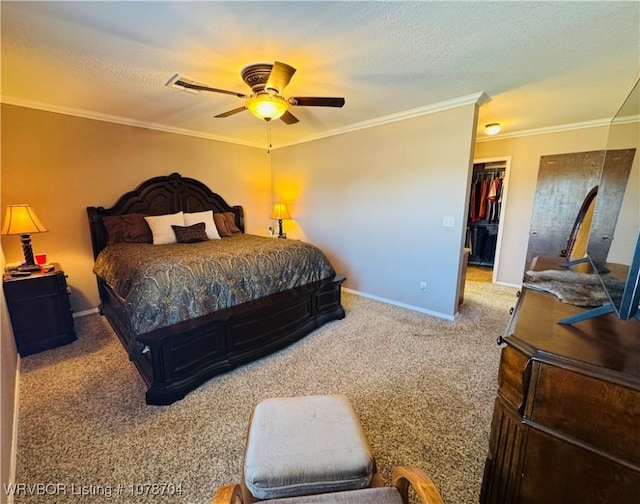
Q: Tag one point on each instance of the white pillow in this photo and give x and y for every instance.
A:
(207, 217)
(161, 227)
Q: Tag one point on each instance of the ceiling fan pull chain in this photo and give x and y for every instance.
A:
(269, 137)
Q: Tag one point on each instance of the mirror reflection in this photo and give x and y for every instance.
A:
(579, 237)
(614, 228)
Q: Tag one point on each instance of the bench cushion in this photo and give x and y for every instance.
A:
(306, 445)
(380, 495)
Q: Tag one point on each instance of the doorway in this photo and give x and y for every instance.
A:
(487, 203)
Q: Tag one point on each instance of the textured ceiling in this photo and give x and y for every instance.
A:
(543, 64)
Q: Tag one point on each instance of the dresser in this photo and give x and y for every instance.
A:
(566, 420)
(40, 310)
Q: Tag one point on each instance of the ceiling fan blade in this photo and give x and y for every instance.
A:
(289, 118)
(179, 82)
(231, 112)
(279, 77)
(316, 101)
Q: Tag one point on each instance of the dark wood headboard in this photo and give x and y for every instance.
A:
(160, 196)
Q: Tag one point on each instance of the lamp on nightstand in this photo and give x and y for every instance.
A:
(22, 220)
(280, 212)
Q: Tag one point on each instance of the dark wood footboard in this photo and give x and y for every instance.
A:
(181, 357)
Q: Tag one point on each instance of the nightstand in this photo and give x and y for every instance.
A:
(40, 310)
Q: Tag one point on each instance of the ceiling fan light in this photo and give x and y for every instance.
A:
(492, 129)
(267, 107)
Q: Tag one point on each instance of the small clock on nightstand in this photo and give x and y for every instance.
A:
(40, 311)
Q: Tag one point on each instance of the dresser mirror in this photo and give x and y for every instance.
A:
(615, 221)
(613, 249)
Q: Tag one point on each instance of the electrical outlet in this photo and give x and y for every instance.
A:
(423, 286)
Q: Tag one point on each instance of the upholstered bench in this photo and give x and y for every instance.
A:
(398, 493)
(305, 445)
(380, 495)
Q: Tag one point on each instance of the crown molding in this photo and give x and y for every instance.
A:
(479, 99)
(86, 114)
(626, 119)
(546, 130)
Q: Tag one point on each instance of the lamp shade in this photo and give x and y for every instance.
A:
(267, 107)
(280, 211)
(21, 220)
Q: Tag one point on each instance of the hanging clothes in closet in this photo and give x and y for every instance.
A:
(485, 200)
(484, 214)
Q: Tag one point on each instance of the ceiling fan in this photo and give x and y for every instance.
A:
(267, 83)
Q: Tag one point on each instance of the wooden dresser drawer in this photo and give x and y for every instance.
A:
(599, 413)
(556, 472)
(513, 377)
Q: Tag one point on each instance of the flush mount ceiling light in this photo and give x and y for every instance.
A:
(492, 128)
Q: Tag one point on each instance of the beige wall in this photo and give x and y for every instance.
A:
(374, 201)
(61, 164)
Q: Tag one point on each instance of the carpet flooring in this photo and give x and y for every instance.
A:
(423, 387)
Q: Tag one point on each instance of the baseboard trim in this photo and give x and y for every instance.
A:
(401, 305)
(507, 284)
(84, 313)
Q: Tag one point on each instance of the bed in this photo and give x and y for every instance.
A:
(178, 347)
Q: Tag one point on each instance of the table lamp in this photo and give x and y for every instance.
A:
(22, 220)
(280, 212)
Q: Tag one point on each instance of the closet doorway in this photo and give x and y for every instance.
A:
(487, 203)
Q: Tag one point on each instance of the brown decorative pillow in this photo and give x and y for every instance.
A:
(190, 234)
(226, 223)
(128, 228)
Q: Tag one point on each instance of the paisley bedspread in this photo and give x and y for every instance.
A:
(165, 284)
